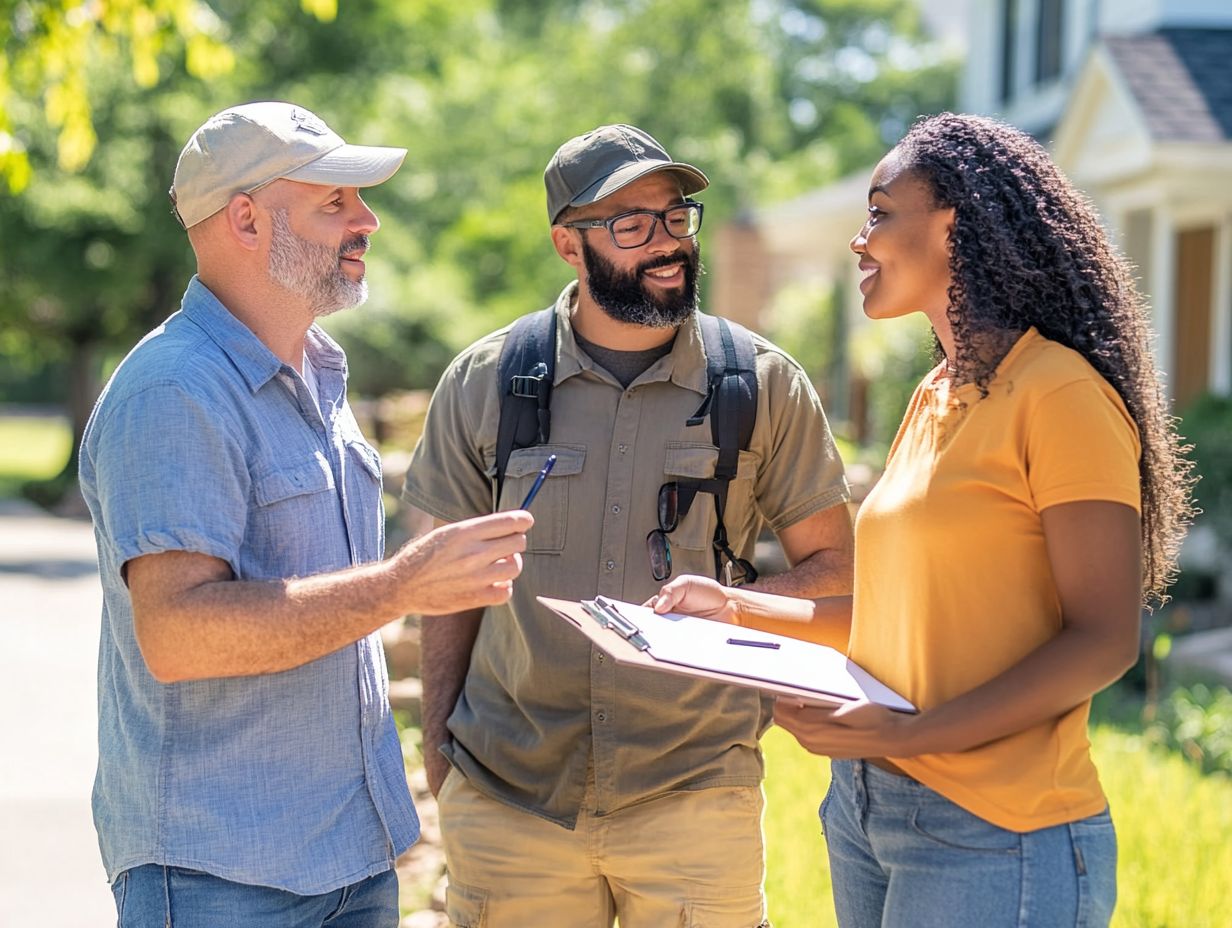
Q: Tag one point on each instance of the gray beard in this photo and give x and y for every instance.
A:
(310, 270)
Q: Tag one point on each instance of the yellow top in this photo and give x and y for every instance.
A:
(953, 584)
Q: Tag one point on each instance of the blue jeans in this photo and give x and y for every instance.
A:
(903, 855)
(153, 896)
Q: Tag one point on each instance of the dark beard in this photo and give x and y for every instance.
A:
(623, 296)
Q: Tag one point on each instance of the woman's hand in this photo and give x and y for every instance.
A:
(857, 729)
(693, 595)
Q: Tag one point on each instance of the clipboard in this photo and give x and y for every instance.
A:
(696, 647)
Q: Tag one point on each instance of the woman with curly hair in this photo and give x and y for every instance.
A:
(1034, 496)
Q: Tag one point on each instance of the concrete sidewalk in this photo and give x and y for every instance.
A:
(50, 872)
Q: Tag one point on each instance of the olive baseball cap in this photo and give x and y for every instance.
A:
(597, 164)
(246, 147)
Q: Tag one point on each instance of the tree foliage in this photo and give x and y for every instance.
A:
(769, 97)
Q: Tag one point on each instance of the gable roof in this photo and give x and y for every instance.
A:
(1181, 80)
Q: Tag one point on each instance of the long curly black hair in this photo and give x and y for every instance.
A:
(1027, 249)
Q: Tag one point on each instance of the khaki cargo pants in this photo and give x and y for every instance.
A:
(688, 859)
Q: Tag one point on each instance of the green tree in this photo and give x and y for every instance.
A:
(51, 49)
(92, 257)
(769, 97)
(737, 88)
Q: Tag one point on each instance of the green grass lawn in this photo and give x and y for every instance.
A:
(1174, 828)
(31, 448)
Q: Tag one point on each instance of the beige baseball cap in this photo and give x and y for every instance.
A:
(246, 147)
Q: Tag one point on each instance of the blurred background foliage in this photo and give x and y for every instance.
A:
(769, 97)
(1207, 424)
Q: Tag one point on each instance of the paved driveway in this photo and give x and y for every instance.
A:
(50, 873)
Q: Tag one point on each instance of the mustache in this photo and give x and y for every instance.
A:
(360, 241)
(661, 261)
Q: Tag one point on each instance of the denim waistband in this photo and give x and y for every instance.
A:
(875, 783)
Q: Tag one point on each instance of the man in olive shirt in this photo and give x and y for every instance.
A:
(579, 790)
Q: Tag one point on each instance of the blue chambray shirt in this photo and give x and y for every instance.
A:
(204, 441)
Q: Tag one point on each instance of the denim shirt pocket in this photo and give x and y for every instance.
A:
(367, 503)
(551, 505)
(300, 479)
(684, 461)
(367, 456)
(293, 499)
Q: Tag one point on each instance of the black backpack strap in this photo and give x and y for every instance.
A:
(731, 400)
(731, 372)
(525, 371)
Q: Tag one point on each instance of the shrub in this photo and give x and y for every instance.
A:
(1197, 721)
(1207, 424)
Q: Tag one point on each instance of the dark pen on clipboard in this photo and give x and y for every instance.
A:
(543, 475)
(771, 645)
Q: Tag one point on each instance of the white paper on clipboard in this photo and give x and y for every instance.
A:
(741, 656)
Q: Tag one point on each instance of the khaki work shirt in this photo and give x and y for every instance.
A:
(541, 705)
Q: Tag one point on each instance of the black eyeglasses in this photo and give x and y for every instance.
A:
(675, 500)
(636, 227)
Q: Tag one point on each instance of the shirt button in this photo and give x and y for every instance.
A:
(602, 716)
(616, 507)
(623, 448)
(611, 565)
(600, 657)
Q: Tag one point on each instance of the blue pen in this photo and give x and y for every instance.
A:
(543, 475)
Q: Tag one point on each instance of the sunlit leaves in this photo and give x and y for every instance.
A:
(14, 163)
(206, 58)
(480, 91)
(50, 47)
(324, 10)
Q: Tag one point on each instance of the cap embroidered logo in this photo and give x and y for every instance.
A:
(308, 122)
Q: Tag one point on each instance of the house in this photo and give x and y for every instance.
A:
(1134, 98)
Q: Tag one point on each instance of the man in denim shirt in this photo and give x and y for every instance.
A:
(249, 770)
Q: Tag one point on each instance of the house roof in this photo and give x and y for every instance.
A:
(1181, 80)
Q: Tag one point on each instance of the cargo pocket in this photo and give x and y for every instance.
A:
(551, 505)
(465, 905)
(748, 913)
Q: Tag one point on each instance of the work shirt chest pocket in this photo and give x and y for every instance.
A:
(551, 505)
(684, 461)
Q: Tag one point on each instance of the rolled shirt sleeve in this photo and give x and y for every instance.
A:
(178, 476)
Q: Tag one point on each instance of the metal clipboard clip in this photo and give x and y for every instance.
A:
(607, 615)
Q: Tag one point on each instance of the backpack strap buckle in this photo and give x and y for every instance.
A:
(530, 385)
